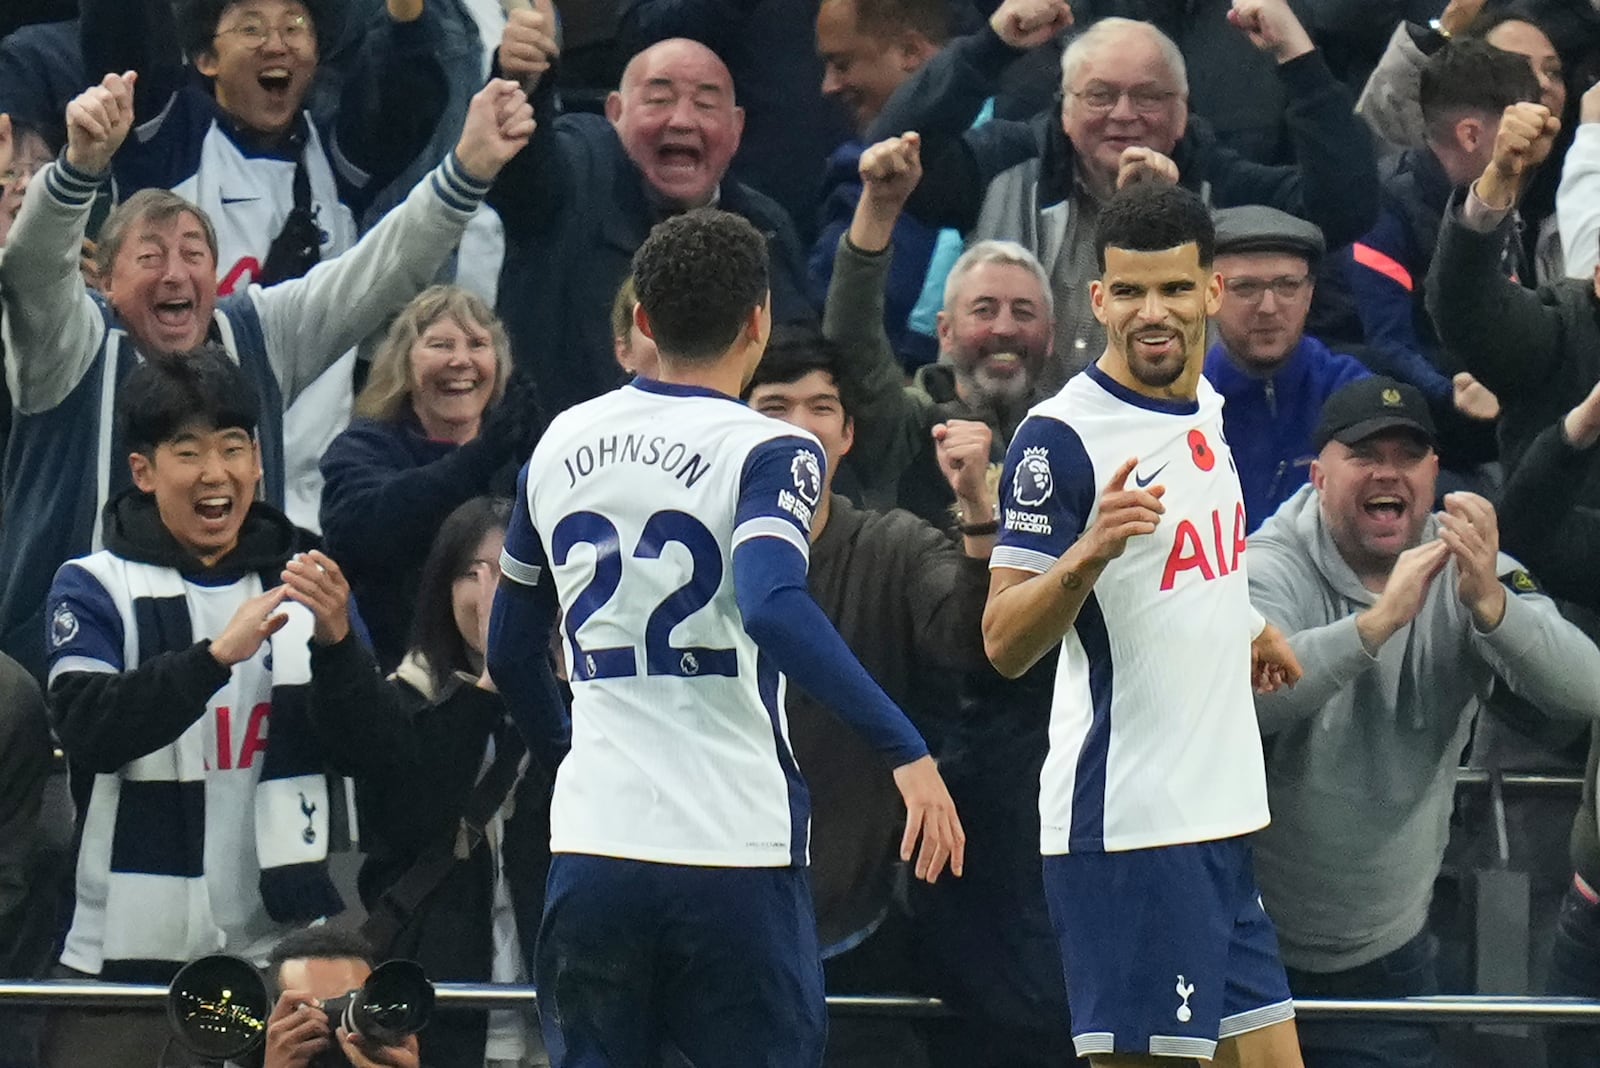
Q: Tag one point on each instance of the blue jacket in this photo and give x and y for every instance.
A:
(575, 211)
(1387, 270)
(1269, 421)
(386, 490)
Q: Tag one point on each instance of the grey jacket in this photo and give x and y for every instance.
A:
(1362, 754)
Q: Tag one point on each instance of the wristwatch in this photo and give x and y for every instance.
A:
(1430, 38)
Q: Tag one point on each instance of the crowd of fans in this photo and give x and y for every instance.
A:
(289, 288)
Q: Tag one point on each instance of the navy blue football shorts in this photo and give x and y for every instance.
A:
(1166, 951)
(720, 962)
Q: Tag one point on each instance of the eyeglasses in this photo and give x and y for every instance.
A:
(1100, 99)
(1251, 290)
(255, 33)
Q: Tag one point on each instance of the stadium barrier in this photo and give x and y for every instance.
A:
(1463, 1009)
(1449, 1009)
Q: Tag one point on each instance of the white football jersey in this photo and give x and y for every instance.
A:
(1153, 737)
(680, 748)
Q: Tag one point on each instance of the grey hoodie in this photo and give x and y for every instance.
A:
(1362, 754)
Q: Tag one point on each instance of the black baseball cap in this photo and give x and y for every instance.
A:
(1370, 406)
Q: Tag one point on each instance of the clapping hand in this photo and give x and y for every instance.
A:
(1471, 531)
(315, 581)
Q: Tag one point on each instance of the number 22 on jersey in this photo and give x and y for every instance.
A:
(611, 571)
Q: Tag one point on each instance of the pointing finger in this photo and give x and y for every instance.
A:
(1120, 479)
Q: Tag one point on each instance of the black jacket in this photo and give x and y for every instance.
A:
(415, 761)
(575, 211)
(1536, 350)
(105, 721)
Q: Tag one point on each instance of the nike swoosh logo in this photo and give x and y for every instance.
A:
(1145, 480)
(238, 200)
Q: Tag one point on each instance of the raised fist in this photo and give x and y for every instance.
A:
(529, 45)
(1272, 28)
(98, 121)
(1139, 164)
(499, 123)
(1527, 132)
(1030, 23)
(890, 170)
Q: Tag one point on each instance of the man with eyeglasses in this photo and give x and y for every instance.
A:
(232, 132)
(1124, 118)
(1272, 376)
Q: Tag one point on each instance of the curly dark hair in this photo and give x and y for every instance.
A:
(698, 275)
(322, 942)
(1150, 217)
(198, 19)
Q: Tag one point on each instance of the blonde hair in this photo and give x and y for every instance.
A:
(388, 387)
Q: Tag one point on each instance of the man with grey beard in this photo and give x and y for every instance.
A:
(994, 335)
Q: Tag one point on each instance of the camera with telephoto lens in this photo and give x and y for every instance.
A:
(218, 1006)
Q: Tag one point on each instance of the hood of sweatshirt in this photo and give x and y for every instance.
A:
(134, 531)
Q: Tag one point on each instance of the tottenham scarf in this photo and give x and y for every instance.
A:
(157, 910)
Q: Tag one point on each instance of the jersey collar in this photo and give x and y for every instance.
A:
(1139, 400)
(674, 389)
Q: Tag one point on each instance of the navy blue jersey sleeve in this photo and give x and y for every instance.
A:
(522, 559)
(769, 580)
(83, 629)
(1047, 493)
(782, 484)
(520, 629)
(779, 490)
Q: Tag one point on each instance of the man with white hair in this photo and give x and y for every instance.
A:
(994, 342)
(1124, 118)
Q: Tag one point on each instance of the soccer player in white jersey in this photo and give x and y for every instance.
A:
(1122, 539)
(672, 524)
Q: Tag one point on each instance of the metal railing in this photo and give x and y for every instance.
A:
(1521, 781)
(1450, 1009)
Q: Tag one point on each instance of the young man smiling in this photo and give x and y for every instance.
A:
(1122, 541)
(174, 652)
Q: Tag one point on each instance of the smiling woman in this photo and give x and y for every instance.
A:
(433, 428)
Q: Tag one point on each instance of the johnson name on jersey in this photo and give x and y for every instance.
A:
(680, 749)
(1153, 737)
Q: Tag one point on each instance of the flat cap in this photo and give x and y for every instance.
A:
(1256, 228)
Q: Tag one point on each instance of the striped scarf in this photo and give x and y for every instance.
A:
(157, 911)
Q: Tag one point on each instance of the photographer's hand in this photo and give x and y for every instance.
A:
(297, 1031)
(364, 1053)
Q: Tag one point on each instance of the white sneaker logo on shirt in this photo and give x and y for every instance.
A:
(1184, 990)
